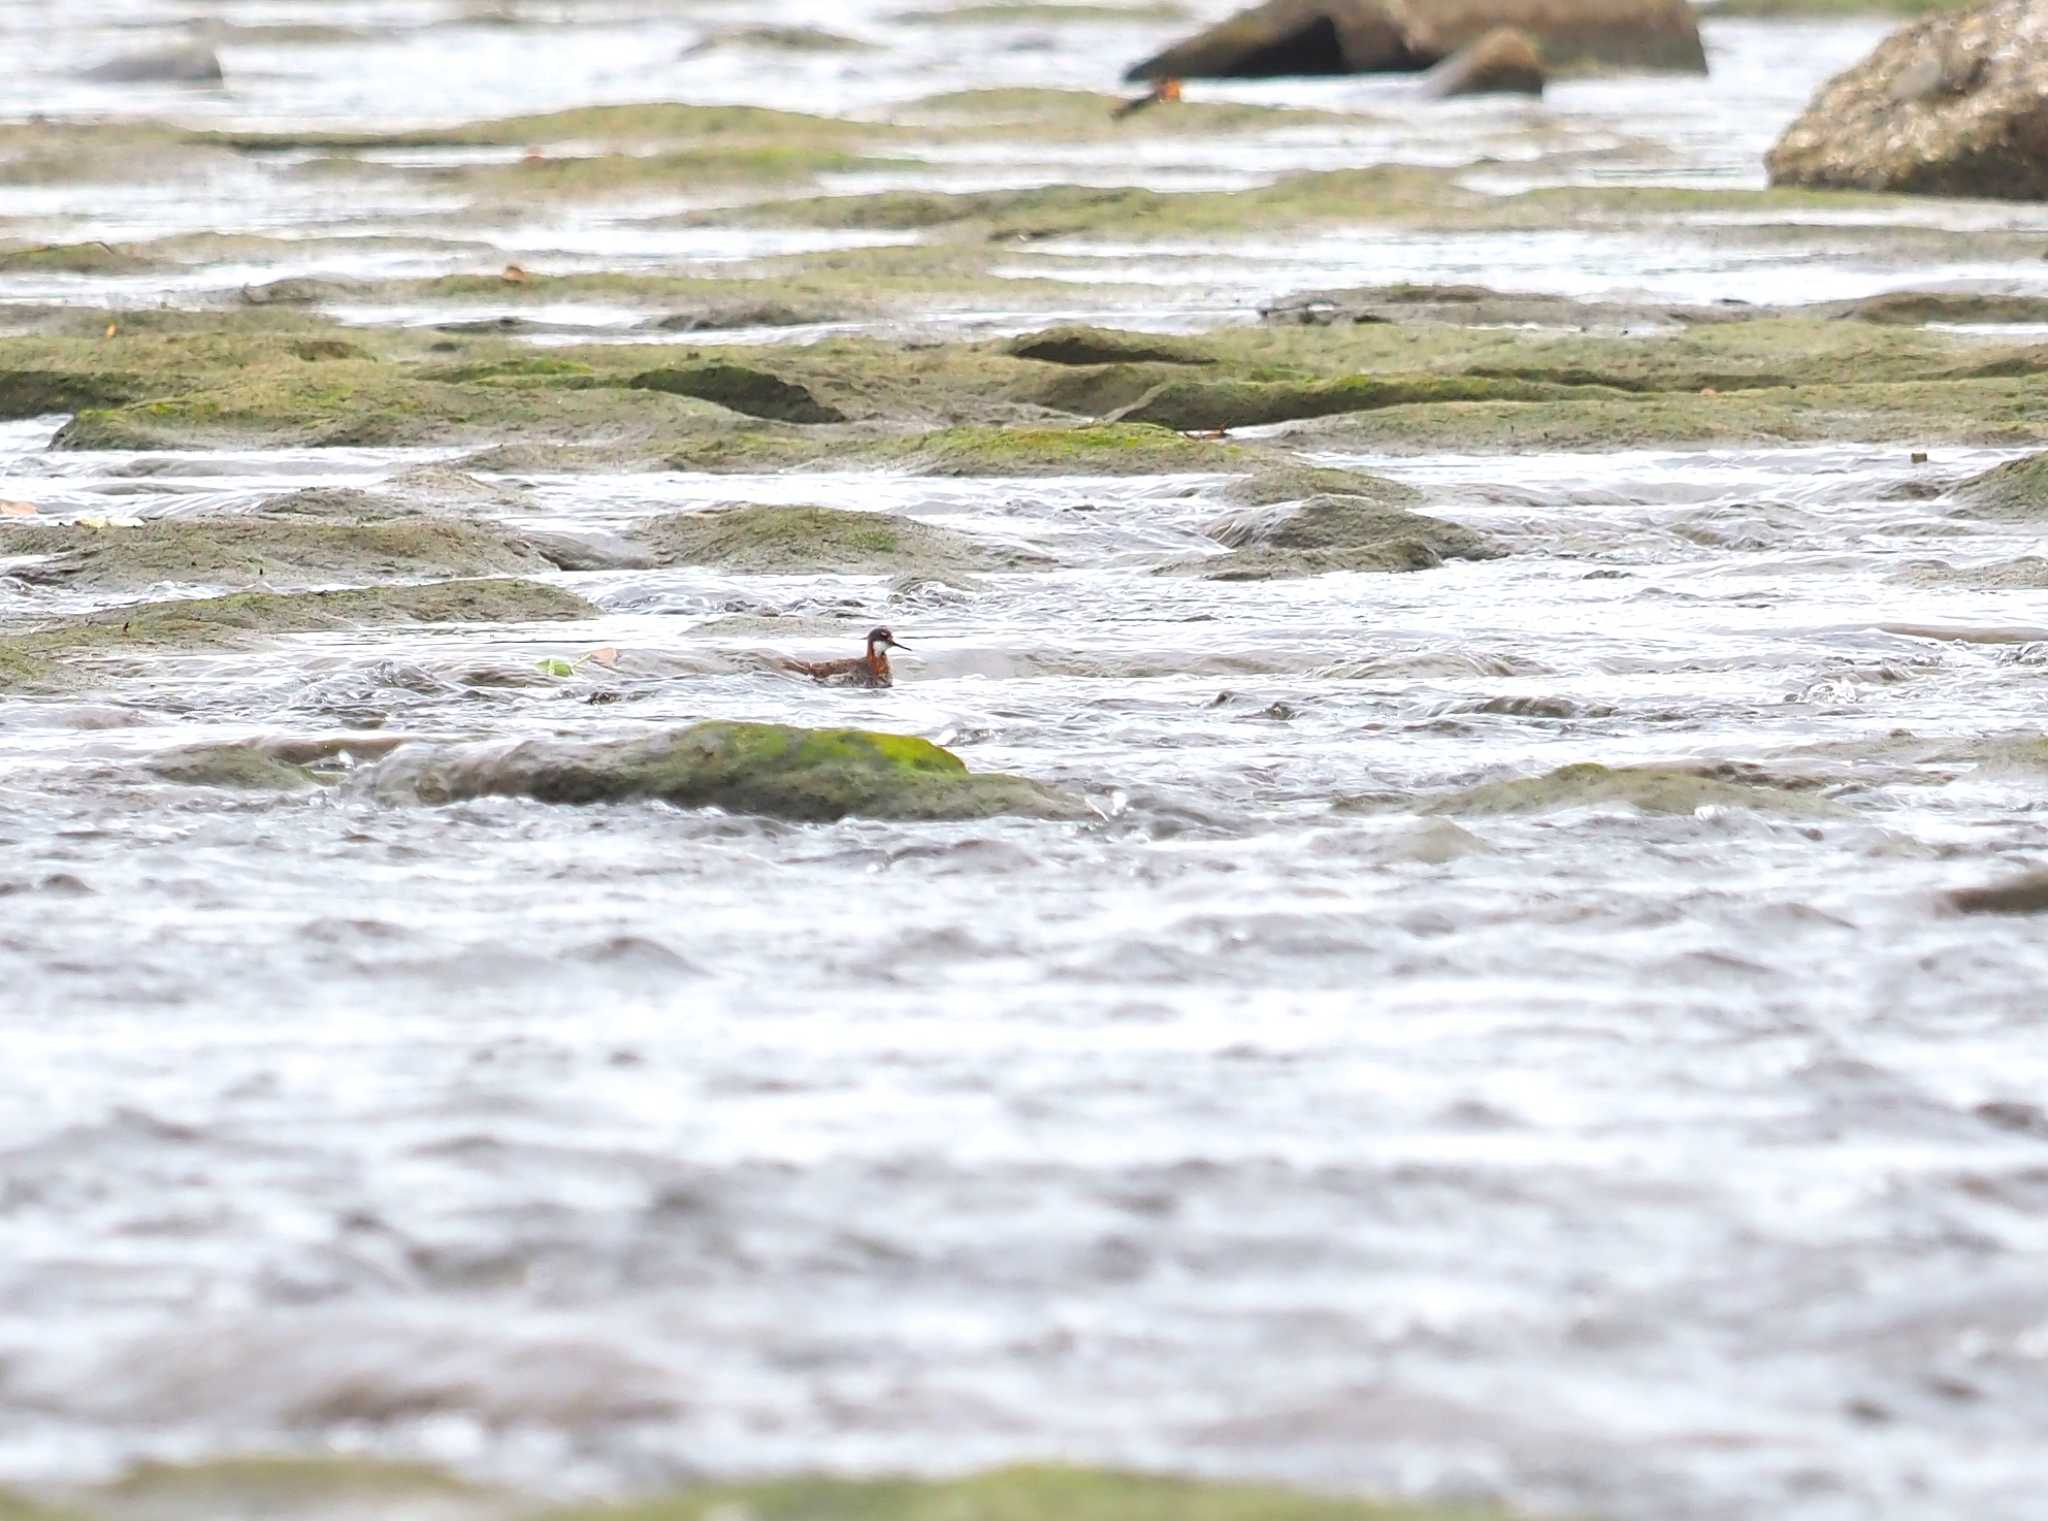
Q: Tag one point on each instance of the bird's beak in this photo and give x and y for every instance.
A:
(895, 646)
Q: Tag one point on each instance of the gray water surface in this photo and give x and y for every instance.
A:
(1684, 1164)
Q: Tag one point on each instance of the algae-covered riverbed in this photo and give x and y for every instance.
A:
(1444, 906)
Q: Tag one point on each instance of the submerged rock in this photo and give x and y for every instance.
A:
(244, 767)
(301, 290)
(1286, 37)
(2016, 491)
(1334, 533)
(1649, 789)
(1341, 522)
(1503, 62)
(813, 775)
(788, 540)
(768, 36)
(1953, 105)
(191, 63)
(2021, 895)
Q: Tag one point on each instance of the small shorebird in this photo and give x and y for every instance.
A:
(1165, 93)
(869, 670)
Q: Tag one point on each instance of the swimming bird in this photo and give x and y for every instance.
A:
(869, 670)
(1166, 92)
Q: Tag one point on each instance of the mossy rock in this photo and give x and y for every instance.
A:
(2016, 491)
(37, 392)
(71, 652)
(590, 176)
(1078, 344)
(740, 388)
(1334, 533)
(640, 122)
(794, 540)
(1281, 479)
(361, 404)
(301, 290)
(1091, 390)
(811, 775)
(1648, 789)
(240, 767)
(262, 551)
(1912, 308)
(2002, 412)
(72, 259)
(1204, 405)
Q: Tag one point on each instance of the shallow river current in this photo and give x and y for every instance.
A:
(1635, 1161)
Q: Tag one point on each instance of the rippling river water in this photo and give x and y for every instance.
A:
(1641, 1150)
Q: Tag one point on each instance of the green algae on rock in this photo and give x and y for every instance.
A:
(1677, 789)
(71, 652)
(786, 540)
(810, 775)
